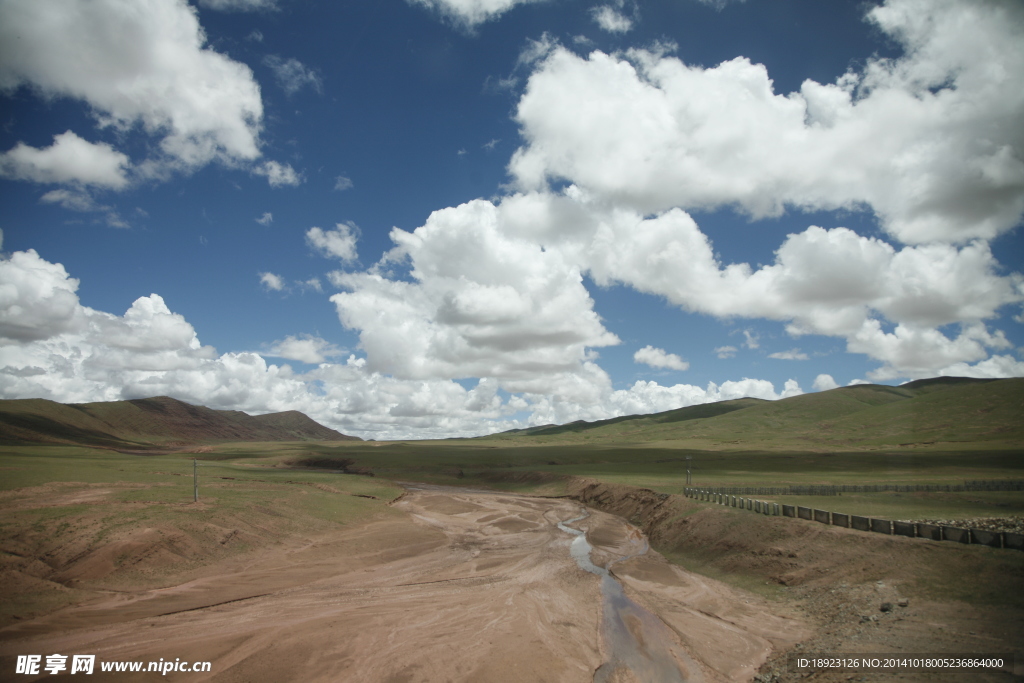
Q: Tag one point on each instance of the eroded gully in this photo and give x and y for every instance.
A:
(635, 640)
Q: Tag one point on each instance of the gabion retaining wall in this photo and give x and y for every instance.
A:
(992, 539)
(860, 523)
(903, 529)
(839, 489)
(1015, 541)
(881, 526)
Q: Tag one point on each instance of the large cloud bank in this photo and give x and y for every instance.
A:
(932, 142)
(137, 64)
(51, 346)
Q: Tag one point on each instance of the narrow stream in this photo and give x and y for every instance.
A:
(635, 639)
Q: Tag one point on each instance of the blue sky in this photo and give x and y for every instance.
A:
(420, 218)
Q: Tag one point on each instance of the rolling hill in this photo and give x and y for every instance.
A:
(944, 412)
(950, 411)
(678, 415)
(149, 423)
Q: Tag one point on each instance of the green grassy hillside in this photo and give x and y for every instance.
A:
(943, 413)
(950, 412)
(148, 423)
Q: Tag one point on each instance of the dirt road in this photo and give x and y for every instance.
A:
(465, 586)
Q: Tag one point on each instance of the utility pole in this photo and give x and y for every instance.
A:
(195, 481)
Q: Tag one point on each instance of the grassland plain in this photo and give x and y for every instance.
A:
(77, 520)
(62, 504)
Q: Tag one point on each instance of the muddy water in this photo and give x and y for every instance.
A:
(636, 641)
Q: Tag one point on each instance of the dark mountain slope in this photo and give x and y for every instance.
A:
(159, 422)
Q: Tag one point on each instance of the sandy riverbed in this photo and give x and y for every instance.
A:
(466, 586)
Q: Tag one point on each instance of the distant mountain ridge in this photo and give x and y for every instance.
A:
(678, 415)
(149, 423)
(954, 411)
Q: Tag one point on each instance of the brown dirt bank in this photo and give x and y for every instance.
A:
(960, 599)
(449, 585)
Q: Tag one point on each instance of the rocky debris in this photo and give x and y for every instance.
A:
(1011, 524)
(849, 620)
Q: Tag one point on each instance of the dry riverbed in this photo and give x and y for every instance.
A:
(463, 586)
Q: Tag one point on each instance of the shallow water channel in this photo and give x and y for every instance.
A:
(635, 639)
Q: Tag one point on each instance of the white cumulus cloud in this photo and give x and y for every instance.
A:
(38, 299)
(900, 136)
(52, 346)
(306, 349)
(70, 159)
(469, 13)
(827, 282)
(339, 243)
(824, 382)
(480, 304)
(135, 63)
(659, 358)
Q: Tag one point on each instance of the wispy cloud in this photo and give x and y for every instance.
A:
(724, 352)
(240, 6)
(611, 19)
(83, 202)
(792, 354)
(278, 174)
(305, 348)
(292, 75)
(273, 283)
